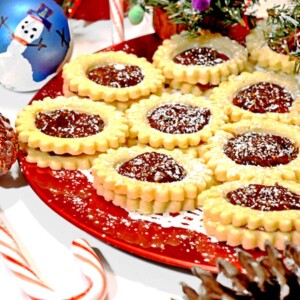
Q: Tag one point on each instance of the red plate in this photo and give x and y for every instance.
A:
(72, 196)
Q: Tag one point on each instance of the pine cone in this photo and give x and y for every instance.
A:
(8, 145)
(268, 277)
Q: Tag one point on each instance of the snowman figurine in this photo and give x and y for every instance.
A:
(16, 71)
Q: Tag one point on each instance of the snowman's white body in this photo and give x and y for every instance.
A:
(15, 70)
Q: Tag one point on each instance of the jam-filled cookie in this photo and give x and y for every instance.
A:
(194, 151)
(119, 105)
(259, 209)
(71, 126)
(266, 56)
(174, 120)
(150, 180)
(112, 76)
(207, 59)
(58, 162)
(249, 239)
(249, 149)
(260, 95)
(194, 89)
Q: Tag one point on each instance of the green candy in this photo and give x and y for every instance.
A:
(136, 14)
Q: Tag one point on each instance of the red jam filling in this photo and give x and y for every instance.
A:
(152, 167)
(68, 124)
(264, 198)
(178, 118)
(204, 56)
(260, 149)
(116, 75)
(264, 97)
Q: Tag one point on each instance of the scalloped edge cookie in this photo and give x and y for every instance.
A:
(249, 239)
(187, 88)
(139, 126)
(163, 59)
(228, 89)
(193, 151)
(119, 105)
(262, 55)
(59, 162)
(146, 207)
(217, 208)
(106, 178)
(226, 169)
(113, 134)
(75, 77)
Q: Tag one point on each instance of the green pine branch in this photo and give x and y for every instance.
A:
(284, 34)
(220, 13)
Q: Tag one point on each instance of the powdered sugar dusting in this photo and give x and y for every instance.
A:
(191, 220)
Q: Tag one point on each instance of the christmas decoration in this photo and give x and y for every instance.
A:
(197, 15)
(269, 277)
(35, 42)
(116, 9)
(201, 5)
(284, 34)
(136, 14)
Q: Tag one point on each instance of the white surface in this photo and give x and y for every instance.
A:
(128, 276)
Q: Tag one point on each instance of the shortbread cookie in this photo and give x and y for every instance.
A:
(119, 105)
(263, 95)
(264, 56)
(164, 179)
(259, 204)
(207, 59)
(112, 76)
(194, 151)
(71, 126)
(58, 162)
(249, 239)
(194, 89)
(174, 120)
(249, 149)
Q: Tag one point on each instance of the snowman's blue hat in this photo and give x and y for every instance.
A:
(42, 14)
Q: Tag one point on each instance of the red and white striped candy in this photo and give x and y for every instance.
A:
(35, 288)
(117, 20)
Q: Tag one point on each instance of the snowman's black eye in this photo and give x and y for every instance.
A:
(26, 22)
(23, 27)
(26, 31)
(34, 29)
(32, 36)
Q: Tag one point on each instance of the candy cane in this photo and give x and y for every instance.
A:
(117, 19)
(34, 287)
(28, 280)
(91, 268)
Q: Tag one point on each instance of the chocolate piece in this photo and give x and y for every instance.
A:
(68, 124)
(116, 75)
(260, 149)
(178, 118)
(204, 56)
(152, 167)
